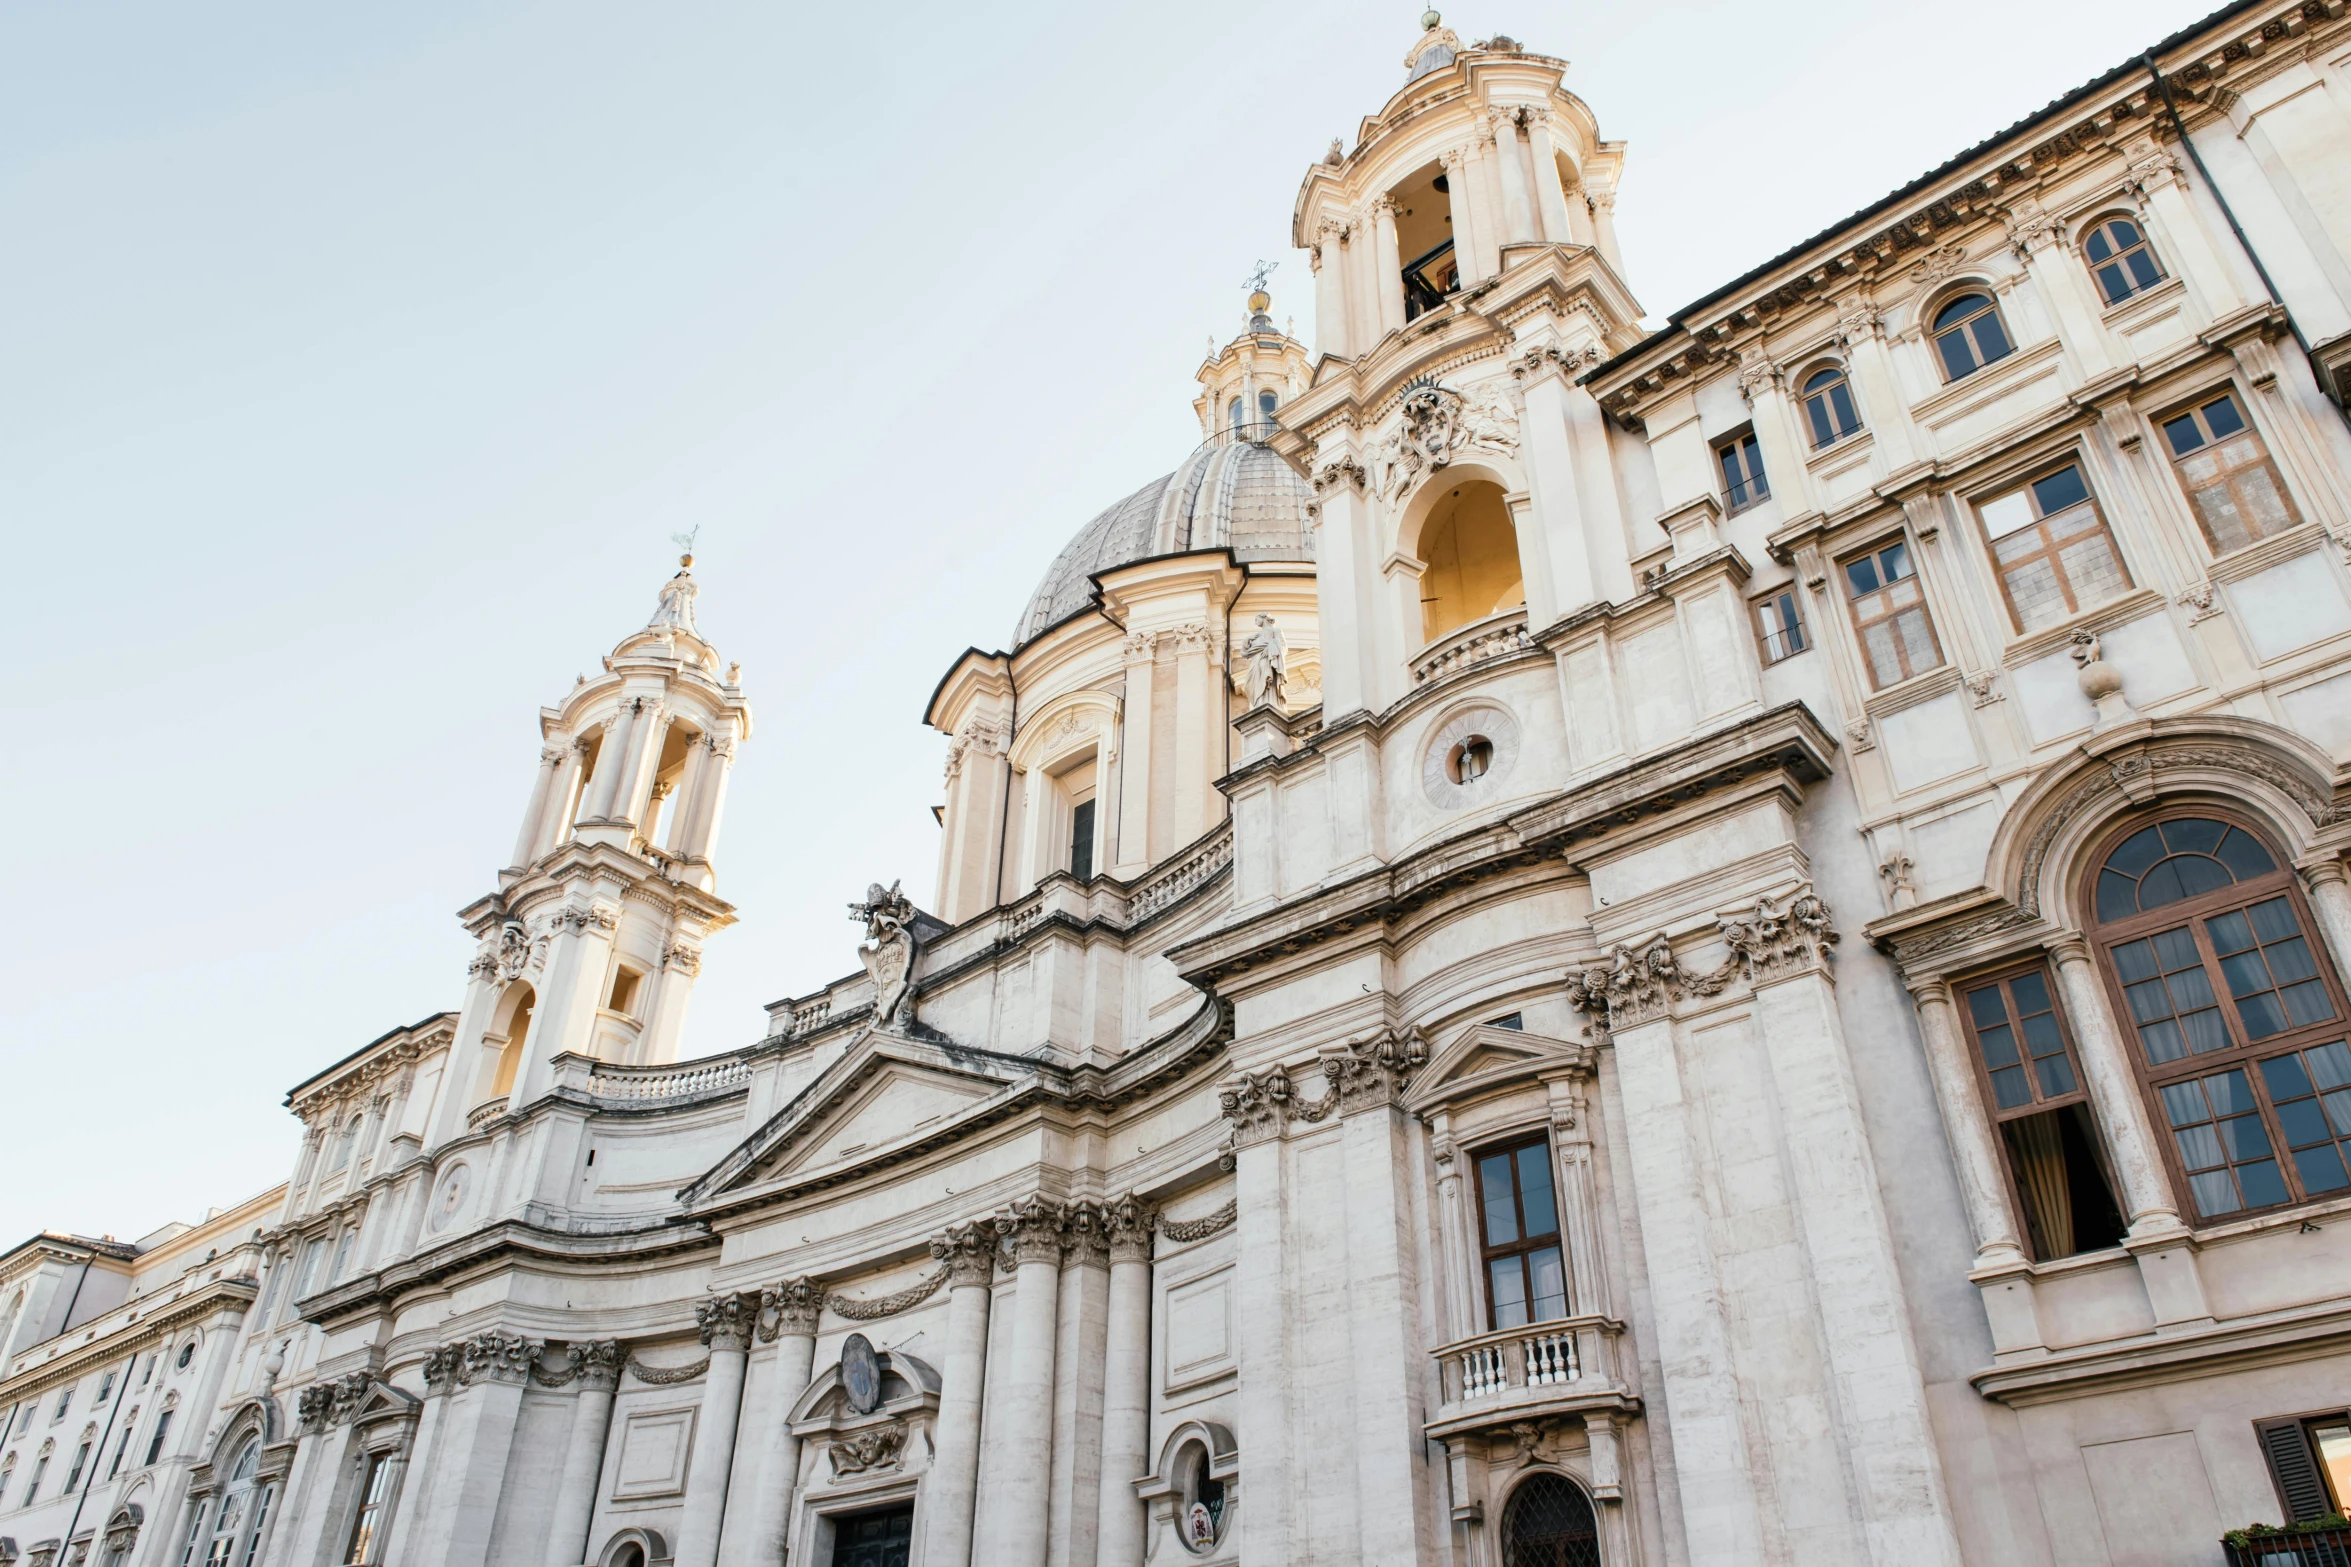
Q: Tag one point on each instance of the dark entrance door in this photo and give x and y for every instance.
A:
(875, 1539)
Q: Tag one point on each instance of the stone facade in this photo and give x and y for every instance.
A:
(1614, 1025)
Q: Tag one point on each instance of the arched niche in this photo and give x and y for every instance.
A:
(511, 1027)
(1192, 1495)
(635, 1547)
(1460, 529)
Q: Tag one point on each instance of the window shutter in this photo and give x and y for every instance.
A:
(2291, 1465)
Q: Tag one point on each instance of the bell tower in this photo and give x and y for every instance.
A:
(592, 942)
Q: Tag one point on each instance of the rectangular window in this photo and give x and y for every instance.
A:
(1518, 1223)
(2026, 1059)
(2309, 1462)
(105, 1388)
(64, 1402)
(369, 1522)
(1081, 841)
(155, 1442)
(2235, 489)
(1779, 626)
(260, 1517)
(1743, 483)
(2052, 548)
(81, 1458)
(308, 1275)
(122, 1448)
(195, 1534)
(1890, 615)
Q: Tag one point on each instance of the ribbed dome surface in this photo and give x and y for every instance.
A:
(1238, 496)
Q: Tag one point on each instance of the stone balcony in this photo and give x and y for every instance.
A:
(1465, 647)
(1565, 1366)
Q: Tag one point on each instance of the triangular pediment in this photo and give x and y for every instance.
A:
(1483, 1059)
(885, 1093)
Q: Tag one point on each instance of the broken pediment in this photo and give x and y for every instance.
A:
(1484, 1058)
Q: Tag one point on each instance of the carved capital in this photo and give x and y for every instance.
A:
(441, 1367)
(596, 1365)
(1771, 941)
(1129, 1221)
(1258, 1105)
(499, 1357)
(1757, 375)
(968, 1251)
(1340, 470)
(797, 1303)
(1031, 1229)
(315, 1407)
(725, 1322)
(1085, 1236)
(555, 756)
(1368, 1073)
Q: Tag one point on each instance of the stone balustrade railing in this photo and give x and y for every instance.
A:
(668, 1084)
(1540, 1355)
(1166, 883)
(1479, 642)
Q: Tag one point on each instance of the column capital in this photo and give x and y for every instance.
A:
(1369, 1073)
(555, 755)
(2069, 946)
(1932, 990)
(1258, 1105)
(596, 1365)
(797, 1304)
(725, 1322)
(441, 1365)
(1129, 1221)
(2324, 872)
(969, 1251)
(1033, 1229)
(495, 1357)
(1758, 376)
(1085, 1236)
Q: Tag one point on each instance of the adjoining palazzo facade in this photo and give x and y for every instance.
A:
(1573, 944)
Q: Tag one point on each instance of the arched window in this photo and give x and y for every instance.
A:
(1236, 412)
(1549, 1523)
(1267, 402)
(243, 1508)
(1969, 336)
(1828, 406)
(155, 1440)
(2236, 1007)
(2120, 259)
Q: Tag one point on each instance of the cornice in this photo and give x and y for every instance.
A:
(1787, 740)
(164, 1321)
(508, 1240)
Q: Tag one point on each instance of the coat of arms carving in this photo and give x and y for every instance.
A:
(1437, 424)
(888, 951)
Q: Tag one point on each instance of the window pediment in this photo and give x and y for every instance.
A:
(1484, 1059)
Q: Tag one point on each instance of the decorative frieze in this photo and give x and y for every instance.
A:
(1186, 1230)
(875, 1447)
(595, 1365)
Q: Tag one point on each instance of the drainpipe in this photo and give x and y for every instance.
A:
(98, 1452)
(2179, 128)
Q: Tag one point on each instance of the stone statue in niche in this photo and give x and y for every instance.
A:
(1267, 656)
(888, 951)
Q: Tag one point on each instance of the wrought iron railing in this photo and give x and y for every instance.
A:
(1428, 279)
(2290, 1547)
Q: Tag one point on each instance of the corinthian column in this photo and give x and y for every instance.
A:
(969, 1251)
(596, 1367)
(797, 1303)
(1388, 266)
(1034, 1230)
(526, 842)
(726, 1323)
(1126, 1383)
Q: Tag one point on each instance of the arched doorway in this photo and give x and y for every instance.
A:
(1549, 1523)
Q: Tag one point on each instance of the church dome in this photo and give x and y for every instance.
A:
(1230, 494)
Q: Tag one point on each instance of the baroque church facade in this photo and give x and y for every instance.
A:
(1575, 944)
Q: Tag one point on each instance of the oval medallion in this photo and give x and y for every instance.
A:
(861, 1374)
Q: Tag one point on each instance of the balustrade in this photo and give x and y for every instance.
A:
(1466, 647)
(1493, 1365)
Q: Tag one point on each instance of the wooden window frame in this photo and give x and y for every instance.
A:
(2266, 1432)
(2194, 409)
(2074, 607)
(1876, 552)
(2145, 245)
(1802, 639)
(1804, 400)
(1756, 484)
(370, 1513)
(2243, 1054)
(1523, 1247)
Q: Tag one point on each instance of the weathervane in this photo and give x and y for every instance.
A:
(685, 543)
(1257, 278)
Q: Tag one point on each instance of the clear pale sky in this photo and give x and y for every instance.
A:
(357, 362)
